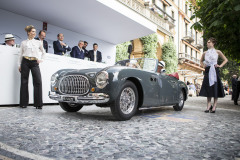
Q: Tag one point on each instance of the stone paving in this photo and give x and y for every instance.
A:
(93, 133)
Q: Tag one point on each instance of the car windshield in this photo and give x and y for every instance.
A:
(146, 64)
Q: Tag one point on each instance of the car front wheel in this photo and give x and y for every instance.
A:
(180, 104)
(70, 107)
(125, 106)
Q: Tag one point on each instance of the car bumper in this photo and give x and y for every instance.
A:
(91, 98)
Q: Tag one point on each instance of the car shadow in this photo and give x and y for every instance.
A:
(98, 116)
(157, 109)
(103, 114)
(106, 115)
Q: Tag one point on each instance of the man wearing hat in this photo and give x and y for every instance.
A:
(161, 65)
(9, 40)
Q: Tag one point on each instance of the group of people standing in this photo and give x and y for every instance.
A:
(194, 89)
(61, 48)
(79, 51)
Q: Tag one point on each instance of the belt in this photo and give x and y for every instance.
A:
(30, 58)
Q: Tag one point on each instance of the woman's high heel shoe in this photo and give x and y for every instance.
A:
(212, 111)
(211, 108)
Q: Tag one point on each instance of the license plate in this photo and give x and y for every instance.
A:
(68, 98)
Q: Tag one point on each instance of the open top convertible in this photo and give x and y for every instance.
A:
(126, 87)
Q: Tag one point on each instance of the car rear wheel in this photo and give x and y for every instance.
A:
(180, 104)
(125, 106)
(70, 107)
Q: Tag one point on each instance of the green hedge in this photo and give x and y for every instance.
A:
(121, 51)
(169, 56)
(150, 46)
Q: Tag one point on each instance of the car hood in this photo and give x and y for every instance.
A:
(64, 72)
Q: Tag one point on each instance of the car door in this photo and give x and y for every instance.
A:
(151, 89)
(168, 89)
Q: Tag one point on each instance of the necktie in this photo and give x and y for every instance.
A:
(81, 54)
(62, 52)
(62, 47)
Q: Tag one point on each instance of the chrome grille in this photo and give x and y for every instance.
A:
(74, 84)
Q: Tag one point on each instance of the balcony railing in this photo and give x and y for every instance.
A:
(166, 16)
(189, 37)
(187, 57)
(147, 13)
(199, 43)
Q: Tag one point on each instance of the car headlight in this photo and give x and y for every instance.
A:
(54, 78)
(102, 79)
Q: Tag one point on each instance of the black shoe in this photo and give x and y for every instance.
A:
(212, 111)
(235, 103)
(39, 107)
(211, 108)
(23, 106)
(206, 111)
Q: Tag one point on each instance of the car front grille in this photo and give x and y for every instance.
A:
(74, 84)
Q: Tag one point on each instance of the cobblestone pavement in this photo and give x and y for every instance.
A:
(92, 133)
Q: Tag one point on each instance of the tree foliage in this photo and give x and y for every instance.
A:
(220, 19)
(122, 51)
(169, 56)
(150, 46)
(228, 70)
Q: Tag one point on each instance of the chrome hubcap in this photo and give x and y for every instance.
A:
(181, 99)
(127, 100)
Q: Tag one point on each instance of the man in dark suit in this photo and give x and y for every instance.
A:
(130, 49)
(60, 48)
(85, 48)
(234, 86)
(78, 51)
(9, 40)
(94, 54)
(237, 92)
(41, 37)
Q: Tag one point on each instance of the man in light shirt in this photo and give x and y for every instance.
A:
(41, 37)
(9, 40)
(94, 54)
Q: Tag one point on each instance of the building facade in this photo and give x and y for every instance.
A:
(176, 15)
(190, 45)
(164, 26)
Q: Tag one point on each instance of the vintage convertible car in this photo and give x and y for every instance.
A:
(126, 87)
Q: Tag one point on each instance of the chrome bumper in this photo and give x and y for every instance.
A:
(91, 98)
